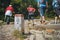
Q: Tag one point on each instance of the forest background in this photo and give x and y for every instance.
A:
(21, 5)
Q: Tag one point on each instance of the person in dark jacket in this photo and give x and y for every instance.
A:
(56, 8)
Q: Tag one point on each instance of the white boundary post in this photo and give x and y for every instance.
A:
(19, 21)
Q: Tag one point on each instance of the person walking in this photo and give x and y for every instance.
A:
(31, 11)
(42, 5)
(56, 8)
(8, 13)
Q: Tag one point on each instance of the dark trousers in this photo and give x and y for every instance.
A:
(30, 16)
(57, 11)
(7, 19)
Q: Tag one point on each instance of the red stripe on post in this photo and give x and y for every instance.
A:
(19, 15)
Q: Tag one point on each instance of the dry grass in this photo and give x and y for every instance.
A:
(18, 35)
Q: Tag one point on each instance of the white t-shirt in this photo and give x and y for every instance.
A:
(8, 12)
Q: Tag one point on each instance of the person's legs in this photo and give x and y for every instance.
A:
(42, 12)
(56, 20)
(8, 19)
(5, 18)
(43, 18)
(59, 16)
(28, 17)
(57, 13)
(32, 18)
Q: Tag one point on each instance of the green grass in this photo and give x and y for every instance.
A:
(18, 34)
(49, 18)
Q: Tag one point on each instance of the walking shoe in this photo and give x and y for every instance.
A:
(42, 22)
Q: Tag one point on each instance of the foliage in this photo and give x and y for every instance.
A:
(21, 5)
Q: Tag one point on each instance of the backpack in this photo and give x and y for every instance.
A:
(58, 2)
